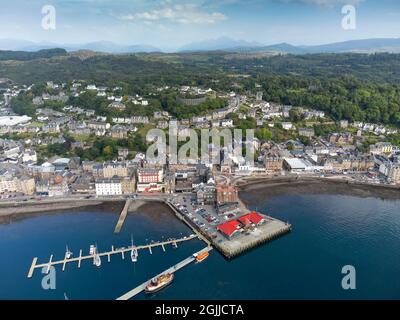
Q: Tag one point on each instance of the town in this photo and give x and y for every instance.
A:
(52, 147)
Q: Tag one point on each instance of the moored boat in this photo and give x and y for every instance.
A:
(92, 249)
(134, 254)
(97, 261)
(159, 283)
(68, 253)
(201, 257)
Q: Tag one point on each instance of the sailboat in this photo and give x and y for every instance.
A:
(97, 259)
(134, 252)
(68, 253)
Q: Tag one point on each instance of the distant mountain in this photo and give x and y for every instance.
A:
(14, 44)
(100, 46)
(362, 46)
(219, 44)
(366, 45)
(111, 47)
(280, 47)
(223, 43)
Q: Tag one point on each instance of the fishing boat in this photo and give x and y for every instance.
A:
(159, 283)
(68, 253)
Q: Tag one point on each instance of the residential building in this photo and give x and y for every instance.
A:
(115, 169)
(149, 175)
(108, 187)
(128, 185)
(306, 132)
(273, 163)
(23, 185)
(381, 148)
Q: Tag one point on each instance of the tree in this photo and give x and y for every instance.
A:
(22, 105)
(107, 151)
(264, 134)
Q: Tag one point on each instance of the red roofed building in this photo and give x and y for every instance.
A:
(252, 218)
(230, 228)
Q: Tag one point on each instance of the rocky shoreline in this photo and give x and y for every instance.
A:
(262, 188)
(267, 188)
(12, 212)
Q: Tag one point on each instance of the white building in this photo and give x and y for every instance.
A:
(108, 187)
(29, 156)
(296, 165)
(14, 120)
(287, 125)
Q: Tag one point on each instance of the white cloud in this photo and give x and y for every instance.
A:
(182, 13)
(326, 2)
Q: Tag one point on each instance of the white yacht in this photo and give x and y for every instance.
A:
(68, 253)
(92, 249)
(134, 253)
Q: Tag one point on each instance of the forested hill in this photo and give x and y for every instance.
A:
(347, 86)
(26, 56)
(56, 64)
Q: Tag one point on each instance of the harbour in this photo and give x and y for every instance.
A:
(324, 217)
(267, 229)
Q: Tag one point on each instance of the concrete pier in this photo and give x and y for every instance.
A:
(189, 224)
(49, 264)
(79, 259)
(32, 268)
(122, 216)
(273, 229)
(173, 269)
(231, 248)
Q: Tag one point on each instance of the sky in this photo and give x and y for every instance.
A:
(170, 24)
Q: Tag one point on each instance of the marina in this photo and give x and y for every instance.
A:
(96, 257)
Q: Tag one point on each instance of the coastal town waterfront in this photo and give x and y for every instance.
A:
(349, 229)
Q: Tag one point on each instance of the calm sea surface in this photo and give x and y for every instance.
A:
(328, 233)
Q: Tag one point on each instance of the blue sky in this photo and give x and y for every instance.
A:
(170, 24)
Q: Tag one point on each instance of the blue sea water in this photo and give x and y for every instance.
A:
(329, 232)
